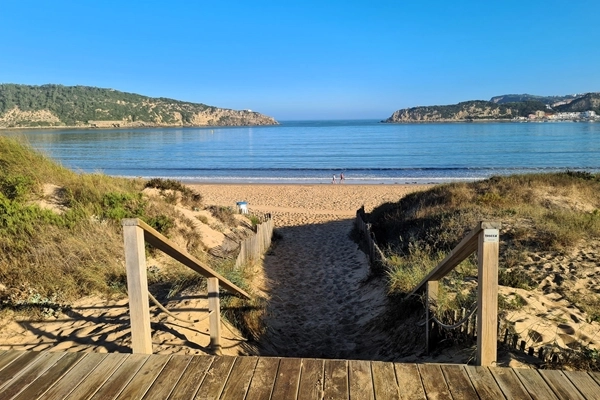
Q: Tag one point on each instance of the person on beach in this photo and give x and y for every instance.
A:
(333, 180)
(342, 177)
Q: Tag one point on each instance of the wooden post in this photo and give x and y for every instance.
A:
(487, 296)
(137, 287)
(432, 296)
(215, 317)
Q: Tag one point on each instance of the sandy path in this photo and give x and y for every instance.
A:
(315, 276)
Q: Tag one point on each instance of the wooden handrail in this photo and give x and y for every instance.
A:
(457, 255)
(485, 239)
(135, 234)
(162, 243)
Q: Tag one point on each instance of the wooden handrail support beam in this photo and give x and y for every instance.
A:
(135, 233)
(485, 239)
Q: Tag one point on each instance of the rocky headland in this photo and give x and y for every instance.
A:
(57, 106)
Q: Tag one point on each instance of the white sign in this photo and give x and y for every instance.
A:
(491, 235)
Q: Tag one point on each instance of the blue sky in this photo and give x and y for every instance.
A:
(309, 59)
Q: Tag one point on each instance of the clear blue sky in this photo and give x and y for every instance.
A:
(306, 59)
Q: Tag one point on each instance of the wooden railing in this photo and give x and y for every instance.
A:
(135, 233)
(485, 239)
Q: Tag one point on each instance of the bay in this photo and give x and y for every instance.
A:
(312, 151)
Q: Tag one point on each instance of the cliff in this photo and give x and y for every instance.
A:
(23, 106)
(466, 111)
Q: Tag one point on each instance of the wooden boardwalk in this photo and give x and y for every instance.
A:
(60, 375)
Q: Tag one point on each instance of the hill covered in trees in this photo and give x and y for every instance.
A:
(24, 106)
(504, 107)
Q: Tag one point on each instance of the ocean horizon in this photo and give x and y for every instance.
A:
(311, 152)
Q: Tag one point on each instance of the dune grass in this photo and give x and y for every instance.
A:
(61, 256)
(539, 213)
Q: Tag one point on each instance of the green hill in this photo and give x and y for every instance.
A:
(24, 106)
(467, 111)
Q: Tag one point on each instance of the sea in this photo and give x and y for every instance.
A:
(303, 152)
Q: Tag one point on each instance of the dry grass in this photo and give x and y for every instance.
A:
(544, 212)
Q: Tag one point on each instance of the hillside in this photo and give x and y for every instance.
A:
(467, 111)
(587, 102)
(23, 106)
(550, 100)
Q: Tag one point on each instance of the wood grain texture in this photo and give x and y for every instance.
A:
(98, 376)
(434, 382)
(263, 380)
(30, 374)
(561, 385)
(484, 383)
(215, 378)
(50, 376)
(75, 376)
(164, 383)
(458, 382)
(137, 289)
(191, 379)
(360, 380)
(311, 379)
(584, 383)
(487, 299)
(510, 385)
(120, 377)
(239, 378)
(143, 379)
(409, 381)
(384, 380)
(535, 384)
(335, 380)
(288, 379)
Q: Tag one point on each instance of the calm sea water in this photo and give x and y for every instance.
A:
(312, 151)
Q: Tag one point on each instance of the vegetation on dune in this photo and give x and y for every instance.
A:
(59, 245)
(549, 241)
(539, 213)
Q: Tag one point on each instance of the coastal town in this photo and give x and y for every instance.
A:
(573, 116)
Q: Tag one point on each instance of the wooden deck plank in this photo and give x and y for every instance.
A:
(263, 380)
(484, 383)
(288, 379)
(50, 376)
(98, 376)
(15, 368)
(434, 382)
(144, 378)
(410, 385)
(192, 378)
(561, 385)
(588, 387)
(168, 378)
(215, 378)
(384, 380)
(510, 385)
(458, 382)
(240, 377)
(115, 384)
(8, 357)
(311, 379)
(335, 385)
(360, 380)
(534, 383)
(30, 373)
(595, 376)
(75, 376)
